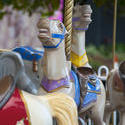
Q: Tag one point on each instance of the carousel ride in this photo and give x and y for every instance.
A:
(36, 82)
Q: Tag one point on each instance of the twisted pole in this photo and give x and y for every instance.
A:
(68, 24)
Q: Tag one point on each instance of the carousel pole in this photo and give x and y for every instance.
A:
(114, 30)
(68, 24)
(113, 50)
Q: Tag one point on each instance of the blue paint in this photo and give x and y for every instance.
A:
(80, 28)
(28, 53)
(75, 19)
(95, 88)
(77, 88)
(59, 36)
(49, 47)
(91, 96)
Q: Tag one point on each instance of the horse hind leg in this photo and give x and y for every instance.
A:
(122, 118)
(97, 112)
(107, 116)
(98, 120)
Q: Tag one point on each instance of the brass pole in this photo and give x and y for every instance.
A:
(114, 30)
(68, 24)
(114, 44)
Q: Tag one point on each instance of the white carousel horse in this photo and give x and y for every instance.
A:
(81, 20)
(54, 58)
(57, 74)
(116, 94)
(19, 107)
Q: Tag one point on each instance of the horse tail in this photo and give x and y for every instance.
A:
(63, 108)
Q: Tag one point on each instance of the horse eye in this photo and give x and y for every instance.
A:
(61, 26)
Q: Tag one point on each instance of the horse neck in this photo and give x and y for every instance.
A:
(78, 49)
(55, 66)
(79, 42)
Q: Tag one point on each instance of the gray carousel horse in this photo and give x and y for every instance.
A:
(40, 110)
(10, 63)
(116, 94)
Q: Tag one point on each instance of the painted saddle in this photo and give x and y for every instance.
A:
(89, 87)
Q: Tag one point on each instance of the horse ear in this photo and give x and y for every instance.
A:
(43, 23)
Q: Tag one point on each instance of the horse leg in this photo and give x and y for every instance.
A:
(98, 119)
(54, 121)
(97, 111)
(97, 115)
(107, 116)
(122, 118)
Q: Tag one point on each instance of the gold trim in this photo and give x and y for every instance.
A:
(5, 50)
(77, 60)
(55, 90)
(26, 106)
(93, 92)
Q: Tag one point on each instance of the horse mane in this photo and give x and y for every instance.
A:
(63, 108)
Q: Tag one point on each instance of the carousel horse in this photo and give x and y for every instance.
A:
(93, 100)
(116, 94)
(24, 82)
(92, 89)
(18, 107)
(55, 74)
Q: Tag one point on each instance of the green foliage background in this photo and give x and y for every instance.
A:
(102, 55)
(45, 7)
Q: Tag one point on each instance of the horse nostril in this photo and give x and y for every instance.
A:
(38, 76)
(43, 31)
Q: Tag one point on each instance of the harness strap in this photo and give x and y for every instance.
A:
(59, 36)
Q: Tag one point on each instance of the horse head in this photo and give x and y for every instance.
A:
(51, 32)
(81, 17)
(12, 64)
(122, 71)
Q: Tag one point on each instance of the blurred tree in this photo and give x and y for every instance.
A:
(108, 4)
(45, 7)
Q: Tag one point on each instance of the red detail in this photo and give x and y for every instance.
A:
(14, 110)
(116, 58)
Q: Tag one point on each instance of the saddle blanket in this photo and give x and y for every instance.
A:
(28, 53)
(92, 91)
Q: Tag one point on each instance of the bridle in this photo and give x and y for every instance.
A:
(57, 36)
